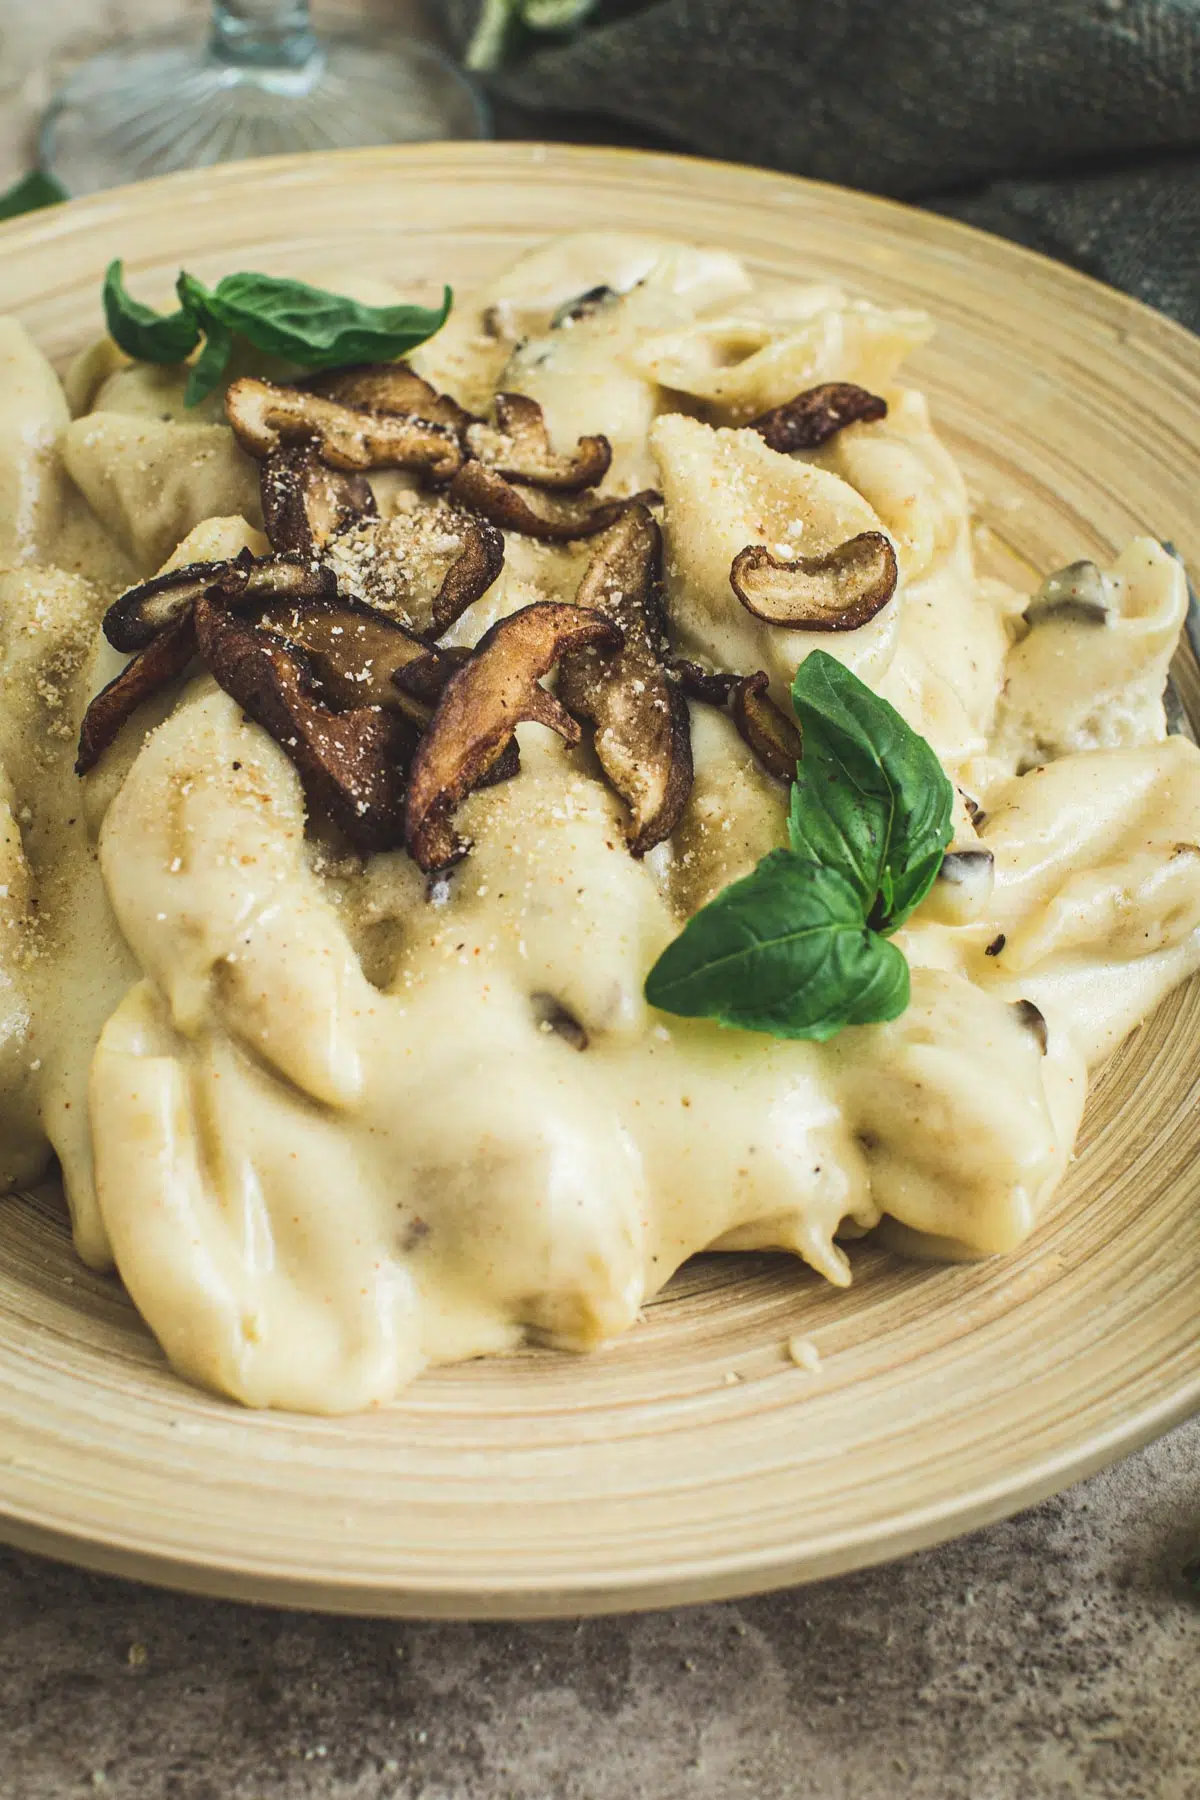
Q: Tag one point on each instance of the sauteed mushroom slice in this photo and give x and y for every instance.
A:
(351, 763)
(138, 615)
(1076, 595)
(840, 591)
(389, 388)
(518, 446)
(164, 658)
(264, 415)
(419, 688)
(553, 519)
(354, 651)
(305, 502)
(470, 576)
(774, 738)
(642, 729)
(480, 709)
(424, 678)
(595, 300)
(425, 565)
(810, 419)
(713, 686)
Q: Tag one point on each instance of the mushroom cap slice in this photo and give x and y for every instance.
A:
(810, 419)
(264, 415)
(518, 446)
(583, 306)
(480, 708)
(713, 686)
(840, 591)
(351, 763)
(642, 728)
(554, 520)
(305, 502)
(354, 652)
(137, 616)
(140, 614)
(164, 658)
(775, 739)
(426, 566)
(1076, 595)
(389, 388)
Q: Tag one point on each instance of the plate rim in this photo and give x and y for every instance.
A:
(549, 1597)
(40, 225)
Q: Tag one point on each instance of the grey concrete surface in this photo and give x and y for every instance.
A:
(1048, 1658)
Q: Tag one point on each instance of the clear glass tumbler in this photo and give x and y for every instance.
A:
(264, 84)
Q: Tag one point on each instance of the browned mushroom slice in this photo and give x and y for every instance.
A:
(137, 616)
(353, 651)
(305, 502)
(1076, 595)
(264, 416)
(774, 738)
(361, 657)
(470, 576)
(713, 686)
(141, 613)
(426, 675)
(642, 729)
(595, 300)
(164, 658)
(518, 445)
(351, 763)
(839, 591)
(480, 708)
(389, 388)
(552, 519)
(420, 684)
(425, 566)
(810, 419)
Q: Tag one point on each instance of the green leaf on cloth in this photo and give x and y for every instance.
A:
(31, 194)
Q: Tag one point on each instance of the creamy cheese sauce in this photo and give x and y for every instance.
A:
(333, 1123)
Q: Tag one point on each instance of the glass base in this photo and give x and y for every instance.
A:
(163, 103)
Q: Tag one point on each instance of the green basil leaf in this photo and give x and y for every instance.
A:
(785, 950)
(31, 194)
(317, 329)
(140, 331)
(208, 370)
(871, 799)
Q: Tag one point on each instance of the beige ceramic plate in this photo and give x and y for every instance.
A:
(692, 1459)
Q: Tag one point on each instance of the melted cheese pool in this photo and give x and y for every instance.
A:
(333, 1122)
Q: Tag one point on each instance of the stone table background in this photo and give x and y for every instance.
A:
(1053, 1657)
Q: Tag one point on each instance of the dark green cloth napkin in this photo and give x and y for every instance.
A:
(1072, 126)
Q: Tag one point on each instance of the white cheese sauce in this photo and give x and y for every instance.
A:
(334, 1123)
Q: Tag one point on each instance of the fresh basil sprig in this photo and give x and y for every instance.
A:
(799, 948)
(870, 798)
(307, 325)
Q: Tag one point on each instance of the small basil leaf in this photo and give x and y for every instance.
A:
(140, 331)
(786, 950)
(209, 367)
(871, 799)
(317, 329)
(193, 297)
(31, 194)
